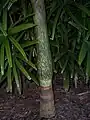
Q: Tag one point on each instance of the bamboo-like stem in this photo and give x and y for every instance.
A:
(44, 62)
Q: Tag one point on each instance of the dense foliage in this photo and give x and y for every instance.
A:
(69, 36)
(17, 44)
(68, 28)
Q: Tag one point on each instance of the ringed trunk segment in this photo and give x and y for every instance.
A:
(47, 108)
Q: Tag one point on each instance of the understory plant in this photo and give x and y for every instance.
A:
(69, 33)
(69, 37)
(17, 44)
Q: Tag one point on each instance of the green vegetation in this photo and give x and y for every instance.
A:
(69, 33)
(17, 44)
(66, 24)
(69, 36)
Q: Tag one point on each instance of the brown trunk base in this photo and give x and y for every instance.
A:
(47, 108)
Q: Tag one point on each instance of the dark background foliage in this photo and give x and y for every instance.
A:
(69, 36)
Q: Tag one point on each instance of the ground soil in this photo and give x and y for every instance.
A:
(69, 105)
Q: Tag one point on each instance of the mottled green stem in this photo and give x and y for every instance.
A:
(44, 55)
(44, 60)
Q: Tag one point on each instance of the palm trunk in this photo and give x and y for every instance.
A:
(47, 108)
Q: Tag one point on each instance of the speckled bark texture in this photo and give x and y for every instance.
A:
(44, 56)
(47, 108)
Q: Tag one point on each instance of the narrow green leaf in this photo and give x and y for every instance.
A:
(34, 78)
(16, 78)
(79, 36)
(87, 76)
(88, 63)
(82, 53)
(3, 31)
(2, 59)
(17, 45)
(1, 38)
(8, 51)
(84, 49)
(65, 65)
(59, 56)
(11, 2)
(53, 8)
(4, 19)
(28, 62)
(54, 43)
(74, 25)
(84, 9)
(75, 19)
(9, 80)
(22, 19)
(55, 23)
(20, 36)
(2, 78)
(4, 4)
(6, 63)
(20, 28)
(19, 65)
(29, 43)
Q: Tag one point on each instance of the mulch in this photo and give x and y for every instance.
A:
(69, 105)
(24, 107)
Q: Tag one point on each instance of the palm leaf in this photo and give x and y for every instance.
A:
(4, 22)
(20, 36)
(8, 51)
(84, 9)
(55, 23)
(75, 25)
(2, 59)
(88, 64)
(84, 49)
(53, 8)
(82, 53)
(28, 62)
(75, 19)
(9, 80)
(20, 28)
(22, 69)
(34, 78)
(3, 31)
(1, 38)
(22, 19)
(29, 43)
(65, 65)
(17, 45)
(16, 78)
